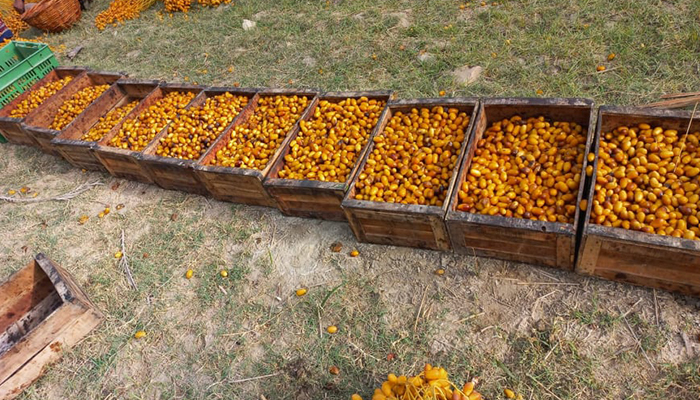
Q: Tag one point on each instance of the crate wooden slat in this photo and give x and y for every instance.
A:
(406, 224)
(42, 313)
(517, 239)
(644, 259)
(176, 174)
(240, 185)
(124, 163)
(317, 199)
(11, 128)
(81, 153)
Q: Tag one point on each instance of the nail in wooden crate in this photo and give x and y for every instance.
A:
(636, 257)
(37, 124)
(80, 153)
(518, 239)
(178, 174)
(411, 225)
(317, 199)
(43, 312)
(241, 185)
(124, 163)
(11, 128)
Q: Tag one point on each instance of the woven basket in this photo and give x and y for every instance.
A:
(53, 15)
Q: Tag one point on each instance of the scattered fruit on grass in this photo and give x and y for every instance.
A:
(83, 219)
(526, 169)
(332, 329)
(107, 122)
(252, 144)
(374, 56)
(391, 356)
(106, 210)
(223, 273)
(442, 93)
(120, 206)
(540, 92)
(118, 254)
(355, 397)
(611, 56)
(136, 133)
(140, 334)
(462, 6)
(509, 393)
(336, 247)
(648, 180)
(74, 106)
(101, 214)
(483, 3)
(24, 189)
(236, 84)
(334, 370)
(189, 274)
(192, 132)
(494, 55)
(329, 144)
(402, 47)
(414, 157)
(38, 96)
(300, 292)
(354, 253)
(145, 255)
(439, 271)
(35, 194)
(178, 5)
(600, 68)
(12, 192)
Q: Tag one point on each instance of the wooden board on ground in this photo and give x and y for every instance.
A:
(242, 185)
(178, 174)
(635, 257)
(42, 313)
(81, 153)
(552, 244)
(406, 224)
(317, 199)
(37, 124)
(11, 128)
(124, 163)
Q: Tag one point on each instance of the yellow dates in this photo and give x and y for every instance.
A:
(74, 106)
(38, 96)
(107, 122)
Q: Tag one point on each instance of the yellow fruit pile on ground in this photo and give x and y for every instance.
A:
(120, 11)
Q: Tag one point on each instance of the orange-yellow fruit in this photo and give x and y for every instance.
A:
(332, 329)
(38, 97)
(74, 106)
(600, 68)
(107, 122)
(223, 273)
(354, 253)
(189, 274)
(140, 334)
(301, 292)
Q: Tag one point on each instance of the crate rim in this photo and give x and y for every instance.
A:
(638, 237)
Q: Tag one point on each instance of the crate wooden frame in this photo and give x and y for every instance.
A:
(317, 199)
(242, 185)
(176, 174)
(42, 313)
(11, 128)
(80, 153)
(124, 163)
(407, 224)
(552, 244)
(639, 258)
(37, 124)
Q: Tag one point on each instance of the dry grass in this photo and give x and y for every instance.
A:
(482, 318)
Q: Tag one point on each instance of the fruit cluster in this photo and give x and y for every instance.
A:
(328, 145)
(74, 106)
(107, 122)
(414, 157)
(526, 169)
(255, 141)
(39, 96)
(120, 11)
(191, 134)
(178, 5)
(648, 179)
(136, 133)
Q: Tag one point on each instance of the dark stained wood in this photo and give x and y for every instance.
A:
(42, 307)
(11, 128)
(124, 163)
(406, 224)
(174, 173)
(317, 199)
(81, 153)
(634, 257)
(515, 239)
(37, 123)
(239, 185)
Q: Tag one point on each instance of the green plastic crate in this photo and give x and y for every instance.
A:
(21, 65)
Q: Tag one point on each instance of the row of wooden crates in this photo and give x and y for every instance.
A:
(612, 253)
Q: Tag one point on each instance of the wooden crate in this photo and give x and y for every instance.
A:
(316, 199)
(406, 224)
(124, 163)
(11, 128)
(81, 153)
(37, 124)
(240, 185)
(174, 173)
(639, 258)
(517, 239)
(43, 312)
